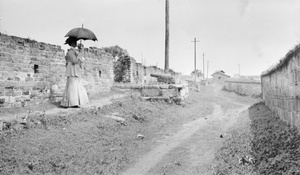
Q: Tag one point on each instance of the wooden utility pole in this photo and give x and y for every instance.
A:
(203, 68)
(239, 70)
(167, 38)
(207, 70)
(195, 41)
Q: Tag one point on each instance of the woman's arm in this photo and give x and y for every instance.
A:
(73, 57)
(80, 54)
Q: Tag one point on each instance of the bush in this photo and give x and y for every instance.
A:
(121, 62)
(120, 68)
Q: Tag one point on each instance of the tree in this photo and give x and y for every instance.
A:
(116, 51)
(121, 61)
(120, 67)
(172, 72)
(197, 72)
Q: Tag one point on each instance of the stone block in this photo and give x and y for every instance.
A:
(18, 98)
(11, 99)
(28, 79)
(169, 92)
(2, 100)
(151, 92)
(9, 93)
(18, 93)
(184, 92)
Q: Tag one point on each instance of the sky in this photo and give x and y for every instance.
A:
(254, 34)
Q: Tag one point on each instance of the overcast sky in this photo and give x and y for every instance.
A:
(252, 33)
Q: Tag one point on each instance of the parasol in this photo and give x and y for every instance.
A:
(82, 33)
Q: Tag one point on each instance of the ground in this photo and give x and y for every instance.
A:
(190, 150)
(133, 136)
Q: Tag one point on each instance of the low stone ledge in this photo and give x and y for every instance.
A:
(175, 100)
(162, 90)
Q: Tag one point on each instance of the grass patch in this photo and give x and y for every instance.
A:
(237, 146)
(86, 142)
(273, 144)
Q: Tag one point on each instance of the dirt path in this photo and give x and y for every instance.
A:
(191, 150)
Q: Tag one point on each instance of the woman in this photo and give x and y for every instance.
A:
(75, 94)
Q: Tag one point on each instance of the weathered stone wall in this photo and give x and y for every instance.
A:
(142, 74)
(35, 71)
(97, 71)
(244, 87)
(138, 74)
(281, 89)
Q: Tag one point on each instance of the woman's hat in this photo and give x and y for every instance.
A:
(70, 40)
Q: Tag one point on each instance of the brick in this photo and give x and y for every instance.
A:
(2, 100)
(9, 93)
(33, 59)
(28, 79)
(18, 93)
(18, 98)
(11, 99)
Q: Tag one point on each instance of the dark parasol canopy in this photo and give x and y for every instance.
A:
(82, 33)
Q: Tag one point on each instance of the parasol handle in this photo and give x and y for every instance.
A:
(81, 39)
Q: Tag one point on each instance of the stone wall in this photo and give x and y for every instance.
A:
(97, 71)
(281, 88)
(137, 73)
(35, 71)
(244, 87)
(140, 74)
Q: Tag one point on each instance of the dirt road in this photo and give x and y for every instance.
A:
(191, 149)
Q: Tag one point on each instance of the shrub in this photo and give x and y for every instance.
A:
(120, 68)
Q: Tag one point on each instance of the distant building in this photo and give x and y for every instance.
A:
(199, 77)
(219, 76)
(246, 77)
(236, 76)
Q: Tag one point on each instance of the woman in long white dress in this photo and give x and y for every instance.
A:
(75, 94)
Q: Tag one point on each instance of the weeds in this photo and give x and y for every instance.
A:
(235, 149)
(273, 143)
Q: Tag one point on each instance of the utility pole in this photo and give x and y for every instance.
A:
(239, 70)
(195, 41)
(207, 70)
(167, 38)
(203, 68)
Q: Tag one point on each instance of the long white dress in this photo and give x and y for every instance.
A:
(74, 94)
